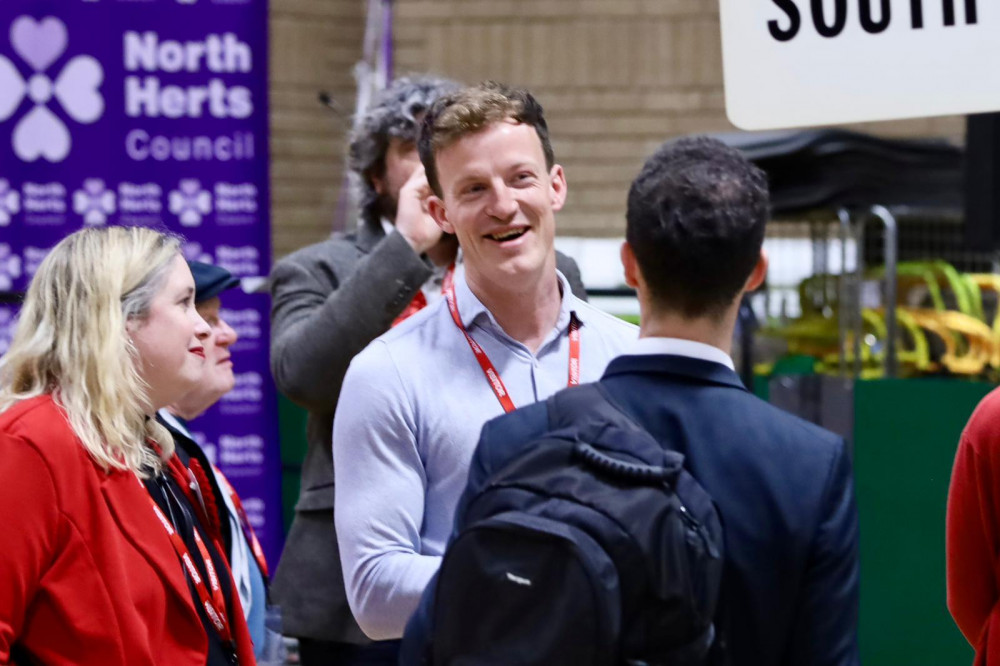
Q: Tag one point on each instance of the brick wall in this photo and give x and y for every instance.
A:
(314, 45)
(616, 78)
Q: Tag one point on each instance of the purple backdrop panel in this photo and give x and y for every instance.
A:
(11, 263)
(150, 112)
(8, 318)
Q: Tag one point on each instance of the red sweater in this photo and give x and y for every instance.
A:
(88, 576)
(973, 532)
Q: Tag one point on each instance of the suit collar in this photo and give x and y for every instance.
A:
(175, 424)
(684, 366)
(370, 232)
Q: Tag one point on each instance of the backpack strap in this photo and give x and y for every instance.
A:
(588, 414)
(586, 404)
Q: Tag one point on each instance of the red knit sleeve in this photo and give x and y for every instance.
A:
(971, 525)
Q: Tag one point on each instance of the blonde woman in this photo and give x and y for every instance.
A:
(106, 558)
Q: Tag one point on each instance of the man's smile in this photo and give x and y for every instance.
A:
(507, 234)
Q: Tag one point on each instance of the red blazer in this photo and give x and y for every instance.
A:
(973, 532)
(87, 573)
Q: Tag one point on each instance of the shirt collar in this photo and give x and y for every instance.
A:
(177, 424)
(470, 308)
(679, 347)
(387, 226)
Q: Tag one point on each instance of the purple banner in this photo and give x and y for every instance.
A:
(8, 314)
(140, 112)
(151, 113)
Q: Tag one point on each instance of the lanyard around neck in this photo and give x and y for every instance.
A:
(492, 376)
(258, 552)
(214, 604)
(419, 301)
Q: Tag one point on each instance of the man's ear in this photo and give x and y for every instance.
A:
(557, 180)
(435, 206)
(758, 274)
(630, 265)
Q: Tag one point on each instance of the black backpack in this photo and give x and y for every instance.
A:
(593, 547)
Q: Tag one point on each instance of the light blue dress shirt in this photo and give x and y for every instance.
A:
(410, 412)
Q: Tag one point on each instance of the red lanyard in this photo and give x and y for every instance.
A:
(448, 289)
(258, 552)
(419, 301)
(215, 605)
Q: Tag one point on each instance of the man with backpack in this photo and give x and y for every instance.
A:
(508, 331)
(330, 300)
(550, 482)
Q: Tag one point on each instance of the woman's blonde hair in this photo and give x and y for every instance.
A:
(71, 341)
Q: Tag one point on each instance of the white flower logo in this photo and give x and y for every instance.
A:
(41, 133)
(94, 202)
(6, 329)
(10, 202)
(10, 267)
(189, 202)
(192, 251)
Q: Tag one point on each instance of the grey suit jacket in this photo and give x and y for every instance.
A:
(329, 300)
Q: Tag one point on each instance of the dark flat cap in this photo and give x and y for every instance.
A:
(210, 281)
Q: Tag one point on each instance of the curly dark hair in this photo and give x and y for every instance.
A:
(695, 221)
(394, 112)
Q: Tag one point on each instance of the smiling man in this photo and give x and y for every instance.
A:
(330, 300)
(509, 332)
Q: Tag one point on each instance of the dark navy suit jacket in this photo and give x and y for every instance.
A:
(783, 486)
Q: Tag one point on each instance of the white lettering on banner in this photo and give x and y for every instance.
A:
(140, 198)
(44, 189)
(217, 54)
(254, 507)
(140, 146)
(236, 198)
(246, 323)
(240, 261)
(43, 198)
(248, 388)
(146, 97)
(796, 63)
(241, 450)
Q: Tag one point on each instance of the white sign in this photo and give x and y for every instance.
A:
(793, 63)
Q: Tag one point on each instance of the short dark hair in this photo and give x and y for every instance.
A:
(471, 110)
(394, 112)
(695, 222)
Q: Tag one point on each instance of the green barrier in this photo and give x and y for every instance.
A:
(906, 432)
(292, 427)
